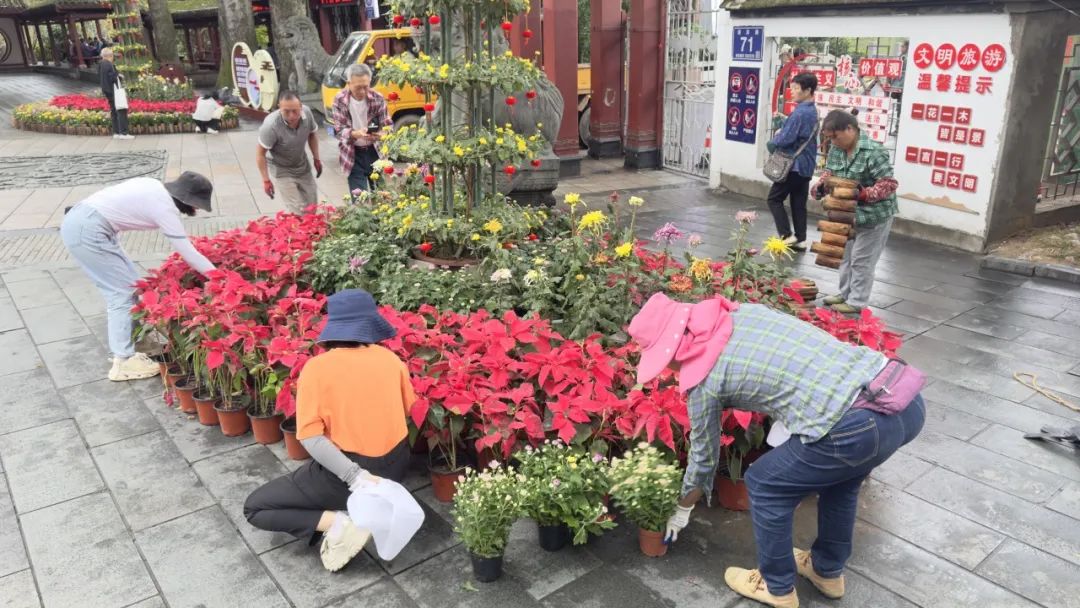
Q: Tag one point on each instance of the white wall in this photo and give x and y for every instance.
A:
(744, 161)
(15, 57)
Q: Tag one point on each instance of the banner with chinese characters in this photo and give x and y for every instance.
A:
(744, 85)
(953, 111)
(873, 111)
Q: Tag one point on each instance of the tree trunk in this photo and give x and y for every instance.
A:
(235, 24)
(164, 32)
(281, 11)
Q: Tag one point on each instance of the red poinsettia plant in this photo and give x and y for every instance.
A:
(86, 102)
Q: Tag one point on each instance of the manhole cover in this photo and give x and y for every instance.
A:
(29, 172)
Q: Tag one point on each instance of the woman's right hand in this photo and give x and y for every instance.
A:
(364, 480)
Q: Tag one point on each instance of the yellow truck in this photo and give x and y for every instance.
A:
(408, 107)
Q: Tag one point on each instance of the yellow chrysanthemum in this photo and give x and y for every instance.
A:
(474, 237)
(374, 176)
(580, 277)
(635, 201)
(385, 149)
(573, 199)
(521, 145)
(493, 226)
(592, 220)
(407, 221)
(624, 250)
(440, 139)
(701, 269)
(483, 141)
(776, 247)
(458, 150)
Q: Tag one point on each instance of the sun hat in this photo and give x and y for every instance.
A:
(354, 317)
(692, 334)
(191, 188)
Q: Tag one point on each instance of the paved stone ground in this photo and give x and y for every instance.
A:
(109, 498)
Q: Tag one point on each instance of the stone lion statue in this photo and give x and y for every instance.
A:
(301, 39)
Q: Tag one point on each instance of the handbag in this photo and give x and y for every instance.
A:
(893, 389)
(779, 164)
(120, 100)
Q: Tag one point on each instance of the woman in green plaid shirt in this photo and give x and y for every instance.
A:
(855, 156)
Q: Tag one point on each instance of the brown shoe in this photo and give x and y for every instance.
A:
(748, 583)
(830, 587)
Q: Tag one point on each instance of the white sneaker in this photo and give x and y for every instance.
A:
(338, 552)
(799, 246)
(134, 368)
(212, 131)
(791, 240)
(126, 136)
(116, 136)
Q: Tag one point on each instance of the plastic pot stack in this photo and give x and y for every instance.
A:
(840, 206)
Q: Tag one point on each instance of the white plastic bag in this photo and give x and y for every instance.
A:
(390, 512)
(120, 98)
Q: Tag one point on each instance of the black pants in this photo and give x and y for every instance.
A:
(360, 175)
(202, 125)
(797, 188)
(295, 502)
(119, 118)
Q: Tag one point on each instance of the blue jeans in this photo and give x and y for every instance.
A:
(93, 243)
(833, 467)
(360, 174)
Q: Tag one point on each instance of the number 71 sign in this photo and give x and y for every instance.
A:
(746, 42)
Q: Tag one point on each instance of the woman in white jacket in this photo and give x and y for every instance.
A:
(207, 115)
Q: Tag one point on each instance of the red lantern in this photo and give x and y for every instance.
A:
(392, 96)
(536, 162)
(434, 20)
(509, 169)
(388, 170)
(533, 237)
(527, 34)
(415, 22)
(399, 19)
(507, 26)
(507, 245)
(429, 179)
(419, 90)
(425, 247)
(511, 100)
(429, 107)
(530, 95)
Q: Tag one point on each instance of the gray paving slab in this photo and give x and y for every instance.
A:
(231, 478)
(14, 276)
(1017, 478)
(954, 423)
(897, 565)
(904, 324)
(151, 481)
(75, 361)
(1067, 501)
(17, 353)
(18, 591)
(1041, 309)
(543, 572)
(108, 411)
(47, 464)
(383, 594)
(973, 377)
(81, 550)
(194, 440)
(54, 322)
(932, 528)
(307, 584)
(446, 579)
(28, 399)
(926, 312)
(991, 407)
(1047, 456)
(37, 292)
(1049, 407)
(152, 602)
(1036, 575)
(12, 551)
(433, 538)
(205, 547)
(9, 314)
(609, 586)
(1049, 530)
(901, 469)
(1006, 348)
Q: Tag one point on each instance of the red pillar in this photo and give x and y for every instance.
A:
(326, 32)
(74, 36)
(560, 64)
(190, 49)
(642, 144)
(519, 44)
(606, 63)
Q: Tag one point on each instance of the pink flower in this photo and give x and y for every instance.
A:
(748, 217)
(694, 240)
(357, 192)
(667, 233)
(597, 457)
(753, 251)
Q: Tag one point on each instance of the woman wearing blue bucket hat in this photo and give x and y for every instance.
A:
(351, 406)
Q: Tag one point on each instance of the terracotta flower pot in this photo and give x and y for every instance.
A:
(651, 543)
(486, 569)
(234, 422)
(442, 483)
(185, 392)
(173, 373)
(204, 405)
(732, 494)
(293, 446)
(267, 429)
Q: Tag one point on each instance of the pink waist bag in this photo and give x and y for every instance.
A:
(892, 389)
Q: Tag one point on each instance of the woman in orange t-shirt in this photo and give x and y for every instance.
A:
(351, 404)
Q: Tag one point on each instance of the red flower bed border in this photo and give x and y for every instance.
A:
(86, 102)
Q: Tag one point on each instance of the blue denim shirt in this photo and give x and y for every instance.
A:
(797, 129)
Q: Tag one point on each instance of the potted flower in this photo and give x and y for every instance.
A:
(646, 486)
(485, 507)
(565, 493)
(265, 420)
(444, 428)
(742, 440)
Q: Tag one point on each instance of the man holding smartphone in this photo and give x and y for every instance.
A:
(359, 114)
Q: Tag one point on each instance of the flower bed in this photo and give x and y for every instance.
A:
(85, 115)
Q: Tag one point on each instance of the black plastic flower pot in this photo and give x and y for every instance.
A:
(486, 569)
(553, 538)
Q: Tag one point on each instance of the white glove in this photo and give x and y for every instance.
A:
(676, 523)
(364, 480)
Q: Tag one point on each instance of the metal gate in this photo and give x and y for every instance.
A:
(689, 84)
(1061, 168)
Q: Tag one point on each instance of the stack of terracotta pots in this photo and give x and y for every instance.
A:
(840, 203)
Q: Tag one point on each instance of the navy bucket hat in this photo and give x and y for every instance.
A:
(354, 317)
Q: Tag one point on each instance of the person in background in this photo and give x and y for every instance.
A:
(846, 410)
(852, 155)
(359, 112)
(207, 115)
(351, 404)
(90, 231)
(800, 128)
(110, 79)
(282, 137)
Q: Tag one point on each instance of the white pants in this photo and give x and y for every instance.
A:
(860, 257)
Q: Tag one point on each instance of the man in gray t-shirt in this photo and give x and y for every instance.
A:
(283, 135)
